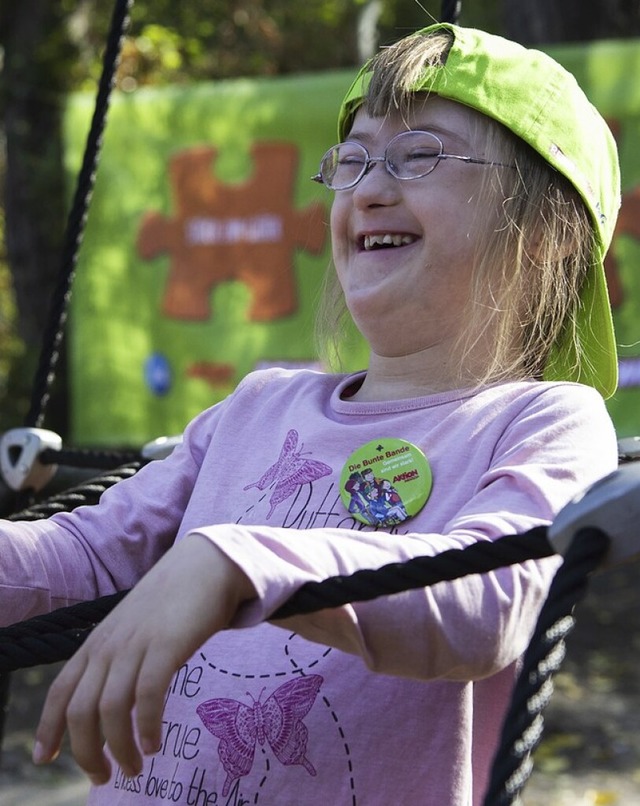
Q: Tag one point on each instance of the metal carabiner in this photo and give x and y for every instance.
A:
(20, 449)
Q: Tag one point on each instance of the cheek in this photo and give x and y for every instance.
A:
(338, 216)
(338, 228)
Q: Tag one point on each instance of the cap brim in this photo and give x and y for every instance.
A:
(598, 365)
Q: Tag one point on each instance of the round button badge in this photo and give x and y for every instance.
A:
(385, 482)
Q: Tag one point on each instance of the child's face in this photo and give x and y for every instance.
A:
(411, 297)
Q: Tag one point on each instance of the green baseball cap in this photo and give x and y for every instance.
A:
(539, 101)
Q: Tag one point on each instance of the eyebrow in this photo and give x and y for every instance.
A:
(364, 137)
(443, 133)
(448, 134)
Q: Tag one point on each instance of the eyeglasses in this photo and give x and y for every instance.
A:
(409, 155)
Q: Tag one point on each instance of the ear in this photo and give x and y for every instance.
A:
(539, 249)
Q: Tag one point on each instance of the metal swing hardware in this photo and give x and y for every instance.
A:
(629, 448)
(20, 465)
(160, 448)
(611, 505)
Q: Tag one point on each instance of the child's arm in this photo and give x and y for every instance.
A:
(130, 658)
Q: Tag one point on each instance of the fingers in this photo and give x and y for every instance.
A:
(63, 708)
(154, 679)
(94, 696)
(141, 680)
(51, 727)
(128, 660)
(83, 724)
(111, 711)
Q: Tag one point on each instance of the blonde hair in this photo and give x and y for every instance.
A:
(528, 270)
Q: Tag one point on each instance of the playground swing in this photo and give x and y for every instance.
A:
(603, 520)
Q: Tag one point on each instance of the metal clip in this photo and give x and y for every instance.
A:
(629, 448)
(611, 505)
(19, 462)
(160, 448)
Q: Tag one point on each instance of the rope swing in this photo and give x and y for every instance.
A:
(56, 636)
(54, 332)
(76, 221)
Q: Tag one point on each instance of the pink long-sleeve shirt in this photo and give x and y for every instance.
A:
(397, 700)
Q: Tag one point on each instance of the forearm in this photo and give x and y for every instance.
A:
(43, 567)
(462, 630)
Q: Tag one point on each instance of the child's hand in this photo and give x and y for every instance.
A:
(129, 659)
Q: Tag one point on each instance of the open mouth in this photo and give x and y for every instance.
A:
(387, 240)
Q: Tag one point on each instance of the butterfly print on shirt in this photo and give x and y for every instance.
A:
(278, 720)
(291, 471)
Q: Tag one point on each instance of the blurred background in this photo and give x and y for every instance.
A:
(183, 74)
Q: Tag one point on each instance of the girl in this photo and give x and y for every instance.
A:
(475, 195)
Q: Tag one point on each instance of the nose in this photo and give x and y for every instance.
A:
(376, 187)
(370, 163)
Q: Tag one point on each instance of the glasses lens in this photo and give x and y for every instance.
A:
(343, 165)
(411, 155)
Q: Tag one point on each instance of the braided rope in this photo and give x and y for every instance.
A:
(88, 492)
(56, 636)
(523, 724)
(419, 572)
(35, 641)
(88, 458)
(53, 335)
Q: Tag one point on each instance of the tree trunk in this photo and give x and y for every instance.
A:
(36, 61)
(536, 22)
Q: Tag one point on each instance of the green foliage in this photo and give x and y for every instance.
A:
(172, 42)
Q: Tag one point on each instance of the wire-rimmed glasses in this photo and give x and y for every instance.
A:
(409, 155)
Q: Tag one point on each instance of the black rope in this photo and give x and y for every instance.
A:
(52, 339)
(54, 332)
(88, 458)
(450, 11)
(86, 493)
(55, 636)
(478, 558)
(523, 724)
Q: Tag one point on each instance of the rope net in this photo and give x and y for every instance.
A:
(56, 636)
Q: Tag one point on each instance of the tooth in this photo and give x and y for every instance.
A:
(388, 239)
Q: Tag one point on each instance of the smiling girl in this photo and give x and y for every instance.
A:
(475, 195)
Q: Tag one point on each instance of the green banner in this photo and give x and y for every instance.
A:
(205, 248)
(207, 243)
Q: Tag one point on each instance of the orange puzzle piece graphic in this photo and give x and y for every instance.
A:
(220, 232)
(628, 224)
